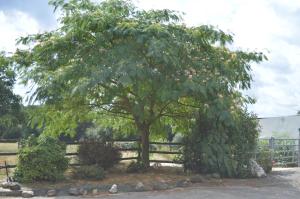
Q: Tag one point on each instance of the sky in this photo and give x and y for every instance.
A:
(269, 26)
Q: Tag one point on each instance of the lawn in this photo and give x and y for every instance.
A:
(7, 147)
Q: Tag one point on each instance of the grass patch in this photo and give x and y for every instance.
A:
(8, 147)
(11, 160)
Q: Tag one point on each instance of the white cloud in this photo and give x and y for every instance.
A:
(13, 25)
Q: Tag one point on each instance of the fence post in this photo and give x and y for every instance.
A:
(299, 149)
(272, 147)
(6, 170)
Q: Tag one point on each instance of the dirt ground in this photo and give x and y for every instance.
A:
(282, 183)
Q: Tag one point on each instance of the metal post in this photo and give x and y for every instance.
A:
(272, 147)
(271, 142)
(299, 148)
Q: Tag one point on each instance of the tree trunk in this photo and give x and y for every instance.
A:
(144, 133)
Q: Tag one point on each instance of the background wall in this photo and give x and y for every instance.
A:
(280, 126)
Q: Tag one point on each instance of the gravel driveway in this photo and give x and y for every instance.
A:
(281, 184)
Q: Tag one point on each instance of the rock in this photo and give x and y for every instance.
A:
(94, 191)
(113, 189)
(11, 185)
(216, 175)
(27, 194)
(83, 191)
(256, 169)
(197, 179)
(160, 186)
(51, 193)
(156, 165)
(10, 193)
(182, 183)
(140, 187)
(74, 192)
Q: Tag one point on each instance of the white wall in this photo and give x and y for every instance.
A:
(280, 125)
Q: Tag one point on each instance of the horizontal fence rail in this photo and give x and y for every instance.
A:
(121, 148)
(284, 152)
(8, 153)
(9, 141)
(167, 143)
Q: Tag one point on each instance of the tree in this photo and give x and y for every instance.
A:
(145, 67)
(9, 102)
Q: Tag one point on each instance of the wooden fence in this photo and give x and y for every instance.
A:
(135, 146)
(284, 152)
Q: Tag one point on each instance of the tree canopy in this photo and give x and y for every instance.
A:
(146, 68)
(9, 102)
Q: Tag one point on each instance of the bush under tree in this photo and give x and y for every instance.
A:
(41, 159)
(264, 159)
(221, 143)
(97, 148)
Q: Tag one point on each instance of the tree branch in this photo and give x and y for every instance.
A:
(188, 105)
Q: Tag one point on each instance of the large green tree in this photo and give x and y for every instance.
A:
(146, 67)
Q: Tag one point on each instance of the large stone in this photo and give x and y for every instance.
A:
(256, 169)
(51, 193)
(83, 191)
(27, 194)
(74, 192)
(140, 187)
(113, 189)
(157, 165)
(11, 185)
(197, 178)
(95, 191)
(10, 193)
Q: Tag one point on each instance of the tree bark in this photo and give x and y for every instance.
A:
(144, 133)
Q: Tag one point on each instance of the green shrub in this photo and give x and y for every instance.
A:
(41, 159)
(97, 148)
(136, 167)
(92, 172)
(221, 143)
(264, 159)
